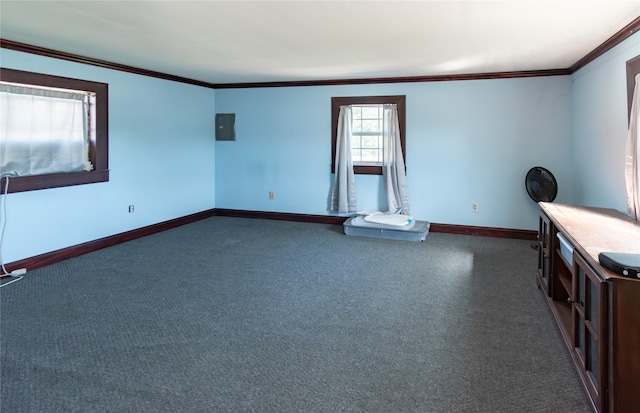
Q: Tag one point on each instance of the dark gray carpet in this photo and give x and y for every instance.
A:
(243, 315)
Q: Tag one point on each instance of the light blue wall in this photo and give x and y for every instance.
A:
(599, 125)
(161, 157)
(467, 141)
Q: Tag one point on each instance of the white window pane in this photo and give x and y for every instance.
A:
(370, 155)
(366, 141)
(371, 112)
(370, 142)
(371, 125)
(356, 126)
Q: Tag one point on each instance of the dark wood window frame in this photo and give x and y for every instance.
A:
(336, 102)
(633, 68)
(98, 137)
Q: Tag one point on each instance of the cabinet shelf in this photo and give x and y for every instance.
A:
(563, 311)
(561, 278)
(566, 283)
(563, 259)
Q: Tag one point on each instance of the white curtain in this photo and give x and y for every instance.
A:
(42, 131)
(632, 160)
(343, 194)
(393, 171)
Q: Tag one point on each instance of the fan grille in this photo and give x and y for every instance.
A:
(541, 184)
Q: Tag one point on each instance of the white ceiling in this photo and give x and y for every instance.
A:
(265, 41)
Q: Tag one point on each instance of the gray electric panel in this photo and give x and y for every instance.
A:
(225, 126)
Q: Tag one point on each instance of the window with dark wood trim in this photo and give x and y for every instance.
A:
(633, 68)
(336, 102)
(98, 133)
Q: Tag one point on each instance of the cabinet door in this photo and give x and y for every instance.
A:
(544, 248)
(589, 316)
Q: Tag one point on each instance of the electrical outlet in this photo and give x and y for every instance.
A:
(272, 195)
(474, 207)
(130, 208)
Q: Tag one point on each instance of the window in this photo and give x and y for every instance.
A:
(633, 69)
(631, 161)
(72, 108)
(366, 142)
(43, 130)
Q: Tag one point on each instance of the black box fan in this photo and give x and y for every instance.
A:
(541, 184)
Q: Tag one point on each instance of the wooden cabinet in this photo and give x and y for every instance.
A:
(543, 254)
(597, 311)
(588, 311)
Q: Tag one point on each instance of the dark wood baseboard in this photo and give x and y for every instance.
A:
(339, 220)
(80, 249)
(90, 246)
(282, 216)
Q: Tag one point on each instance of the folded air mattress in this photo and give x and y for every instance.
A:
(402, 223)
(415, 231)
(395, 220)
